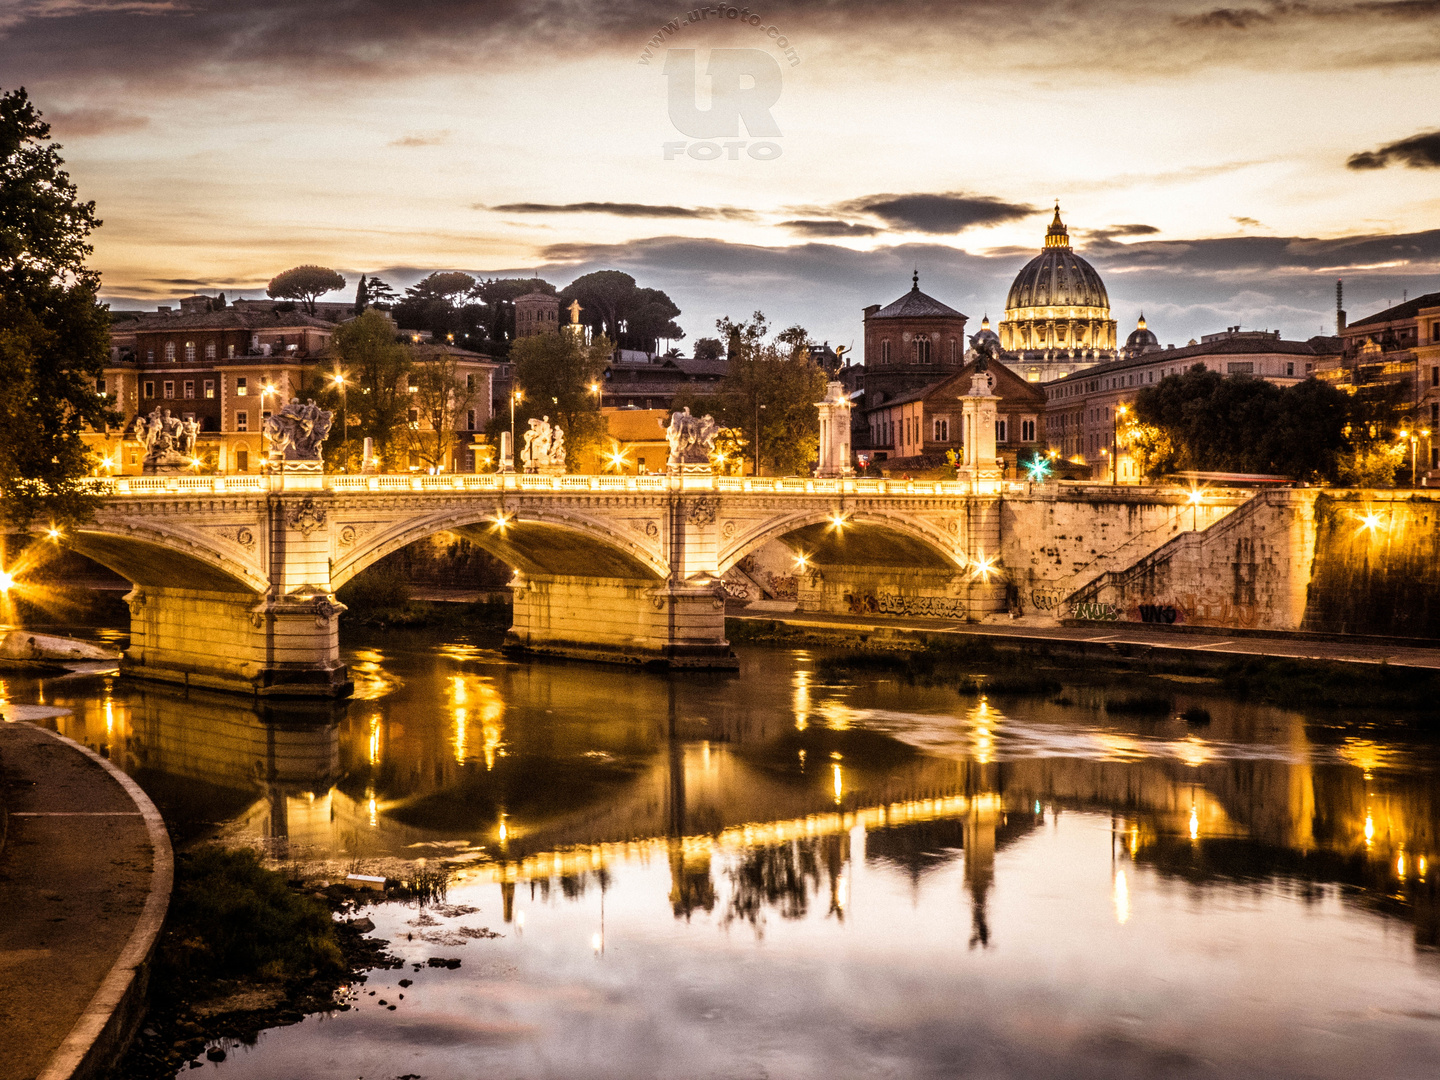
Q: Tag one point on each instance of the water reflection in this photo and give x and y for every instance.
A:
(622, 810)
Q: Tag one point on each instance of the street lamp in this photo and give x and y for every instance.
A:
(514, 397)
(755, 469)
(1414, 437)
(1115, 444)
(339, 380)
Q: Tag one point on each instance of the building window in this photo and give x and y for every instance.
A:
(1435, 457)
(952, 350)
(149, 356)
(1290, 368)
(149, 389)
(100, 387)
(230, 352)
(209, 389)
(470, 420)
(412, 384)
(169, 388)
(922, 350)
(885, 351)
(414, 418)
(242, 460)
(242, 421)
(210, 350)
(942, 429)
(1435, 376)
(1027, 430)
(170, 351)
(470, 382)
(241, 387)
(1309, 368)
(189, 352)
(1002, 428)
(1434, 415)
(189, 388)
(1246, 367)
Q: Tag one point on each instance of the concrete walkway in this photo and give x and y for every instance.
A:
(85, 874)
(1123, 637)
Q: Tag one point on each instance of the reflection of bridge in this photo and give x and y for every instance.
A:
(235, 576)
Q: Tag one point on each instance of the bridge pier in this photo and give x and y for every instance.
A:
(283, 646)
(653, 623)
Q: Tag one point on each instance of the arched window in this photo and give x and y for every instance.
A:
(210, 350)
(170, 351)
(885, 351)
(922, 350)
(189, 352)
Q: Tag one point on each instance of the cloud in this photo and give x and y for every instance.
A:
(1120, 230)
(77, 123)
(1418, 152)
(938, 213)
(422, 138)
(1248, 222)
(1417, 252)
(828, 228)
(627, 210)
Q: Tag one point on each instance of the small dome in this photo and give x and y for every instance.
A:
(1141, 338)
(984, 334)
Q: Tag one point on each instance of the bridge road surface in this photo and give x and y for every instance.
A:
(84, 886)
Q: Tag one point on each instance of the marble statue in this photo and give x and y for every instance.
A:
(297, 431)
(544, 449)
(691, 439)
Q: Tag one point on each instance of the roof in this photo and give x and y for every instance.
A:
(537, 296)
(961, 379)
(1252, 344)
(1057, 277)
(1407, 310)
(230, 319)
(916, 305)
(427, 349)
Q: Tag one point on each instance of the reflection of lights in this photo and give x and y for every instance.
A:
(504, 830)
(109, 717)
(1194, 752)
(802, 759)
(460, 734)
(520, 920)
(372, 808)
(1400, 865)
(375, 740)
(1122, 897)
(596, 941)
(1369, 829)
(1420, 867)
(802, 699)
(1134, 840)
(839, 781)
(1194, 823)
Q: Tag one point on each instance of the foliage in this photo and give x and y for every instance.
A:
(554, 373)
(376, 367)
(1371, 464)
(307, 283)
(613, 305)
(235, 918)
(708, 348)
(1201, 420)
(54, 336)
(775, 385)
(441, 399)
(380, 294)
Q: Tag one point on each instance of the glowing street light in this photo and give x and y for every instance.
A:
(1039, 469)
(515, 397)
(7, 582)
(802, 561)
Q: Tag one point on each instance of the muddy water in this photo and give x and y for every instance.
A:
(772, 875)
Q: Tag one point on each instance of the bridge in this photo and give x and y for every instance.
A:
(235, 576)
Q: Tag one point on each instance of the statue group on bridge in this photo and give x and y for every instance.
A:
(692, 441)
(297, 431)
(544, 449)
(169, 441)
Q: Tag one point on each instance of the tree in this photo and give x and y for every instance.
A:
(376, 367)
(439, 400)
(54, 336)
(306, 283)
(708, 348)
(495, 313)
(381, 294)
(612, 304)
(362, 295)
(769, 394)
(555, 372)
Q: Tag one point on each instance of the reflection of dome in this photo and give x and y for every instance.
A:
(1058, 306)
(1141, 339)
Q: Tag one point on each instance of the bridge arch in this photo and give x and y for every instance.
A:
(172, 557)
(535, 541)
(864, 537)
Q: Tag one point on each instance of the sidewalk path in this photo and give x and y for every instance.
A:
(85, 875)
(1124, 637)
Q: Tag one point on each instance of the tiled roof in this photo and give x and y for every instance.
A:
(916, 305)
(1240, 345)
(1407, 310)
(228, 319)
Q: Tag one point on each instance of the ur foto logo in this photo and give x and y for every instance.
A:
(744, 87)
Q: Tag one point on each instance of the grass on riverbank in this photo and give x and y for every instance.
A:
(242, 950)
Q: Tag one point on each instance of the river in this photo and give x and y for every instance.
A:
(776, 874)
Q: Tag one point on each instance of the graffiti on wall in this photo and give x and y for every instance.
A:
(937, 607)
(1093, 612)
(1047, 599)
(1196, 609)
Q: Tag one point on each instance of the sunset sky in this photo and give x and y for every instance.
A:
(1218, 165)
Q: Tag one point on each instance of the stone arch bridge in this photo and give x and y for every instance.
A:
(235, 576)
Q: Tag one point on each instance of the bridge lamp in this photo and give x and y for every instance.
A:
(983, 568)
(53, 533)
(7, 582)
(802, 561)
(502, 520)
(838, 521)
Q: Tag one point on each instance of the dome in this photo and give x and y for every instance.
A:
(916, 305)
(1057, 277)
(984, 334)
(1141, 338)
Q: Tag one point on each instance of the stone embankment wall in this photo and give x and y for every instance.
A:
(1060, 538)
(1353, 562)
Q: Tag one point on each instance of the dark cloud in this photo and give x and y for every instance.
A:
(627, 210)
(823, 227)
(422, 138)
(939, 213)
(1248, 222)
(1250, 254)
(1418, 152)
(75, 123)
(1121, 230)
(1225, 19)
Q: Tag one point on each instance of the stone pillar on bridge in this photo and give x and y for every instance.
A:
(977, 418)
(834, 458)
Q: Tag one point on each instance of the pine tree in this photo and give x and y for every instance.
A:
(362, 297)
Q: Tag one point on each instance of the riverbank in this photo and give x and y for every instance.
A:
(1320, 673)
(85, 877)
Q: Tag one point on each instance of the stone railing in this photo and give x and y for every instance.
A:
(570, 482)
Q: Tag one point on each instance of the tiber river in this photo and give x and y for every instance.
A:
(775, 875)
